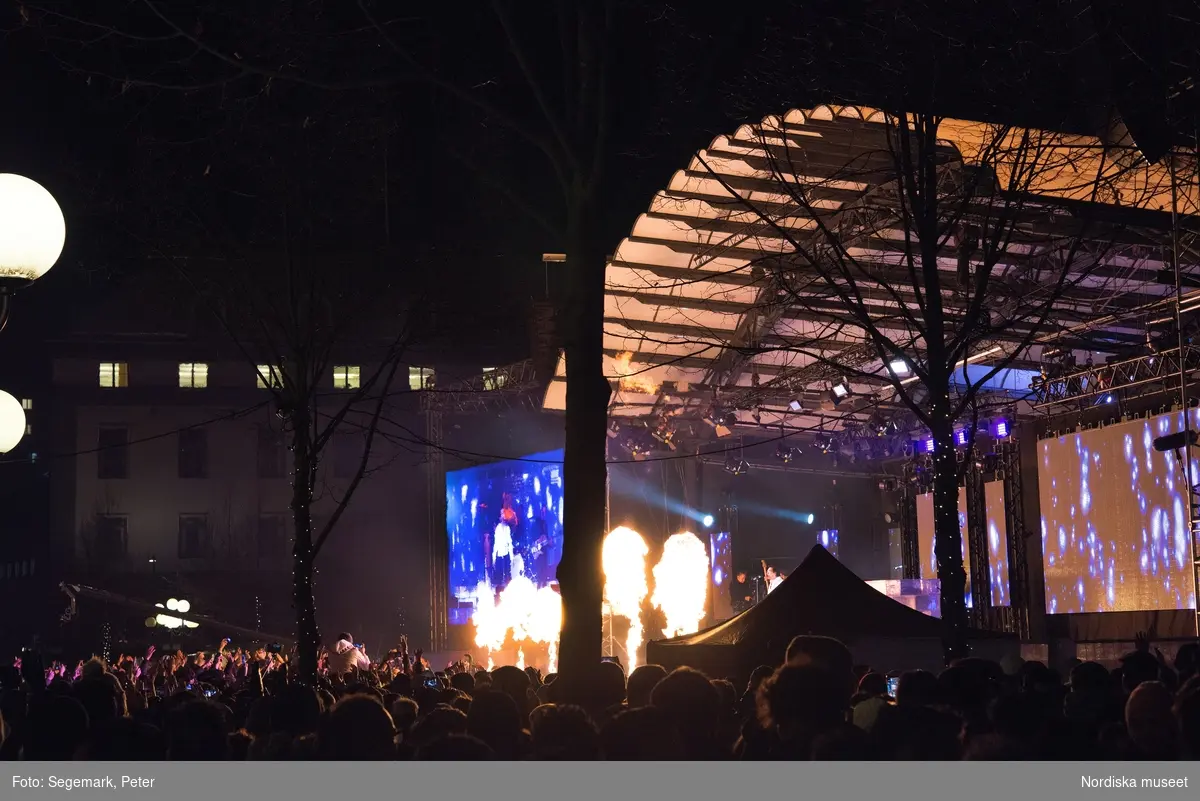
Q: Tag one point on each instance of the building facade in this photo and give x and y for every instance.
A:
(171, 476)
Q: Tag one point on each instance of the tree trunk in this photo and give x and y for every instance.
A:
(948, 549)
(308, 637)
(580, 573)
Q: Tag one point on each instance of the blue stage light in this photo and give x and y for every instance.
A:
(960, 437)
(1000, 429)
(928, 446)
(707, 520)
(811, 517)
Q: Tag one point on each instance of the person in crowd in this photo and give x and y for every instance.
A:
(347, 656)
(772, 576)
(741, 594)
(815, 703)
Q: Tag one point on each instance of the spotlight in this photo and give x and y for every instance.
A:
(960, 437)
(173, 605)
(795, 405)
(899, 367)
(1000, 429)
(810, 518)
(839, 392)
(708, 520)
(183, 606)
(736, 467)
(928, 445)
(784, 453)
(823, 442)
(1173, 442)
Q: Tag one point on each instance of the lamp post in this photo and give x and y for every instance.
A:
(32, 235)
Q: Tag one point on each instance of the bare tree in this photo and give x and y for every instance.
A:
(908, 260)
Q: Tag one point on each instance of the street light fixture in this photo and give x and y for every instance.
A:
(12, 422)
(32, 235)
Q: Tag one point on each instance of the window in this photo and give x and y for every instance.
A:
(492, 379)
(193, 453)
(272, 453)
(270, 377)
(193, 375)
(28, 430)
(112, 453)
(347, 376)
(27, 403)
(114, 374)
(272, 536)
(194, 542)
(420, 378)
(112, 538)
(347, 454)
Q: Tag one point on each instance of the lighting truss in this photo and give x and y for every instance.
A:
(1096, 380)
(496, 389)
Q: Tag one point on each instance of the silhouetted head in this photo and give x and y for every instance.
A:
(358, 729)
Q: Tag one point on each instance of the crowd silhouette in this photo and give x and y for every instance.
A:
(817, 705)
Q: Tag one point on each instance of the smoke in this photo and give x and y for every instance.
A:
(681, 584)
(625, 584)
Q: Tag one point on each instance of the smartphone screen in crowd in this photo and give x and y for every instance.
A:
(893, 685)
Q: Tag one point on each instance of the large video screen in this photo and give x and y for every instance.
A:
(927, 540)
(1114, 520)
(503, 520)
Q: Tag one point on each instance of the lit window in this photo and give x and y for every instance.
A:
(114, 374)
(27, 403)
(346, 376)
(420, 378)
(269, 377)
(493, 379)
(193, 375)
(28, 430)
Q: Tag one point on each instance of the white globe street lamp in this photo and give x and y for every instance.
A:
(12, 422)
(32, 235)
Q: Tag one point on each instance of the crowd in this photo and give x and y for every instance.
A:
(238, 704)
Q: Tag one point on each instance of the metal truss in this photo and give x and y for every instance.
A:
(500, 388)
(1019, 592)
(909, 547)
(983, 614)
(435, 488)
(1144, 371)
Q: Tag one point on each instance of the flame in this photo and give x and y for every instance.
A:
(625, 583)
(681, 583)
(491, 663)
(520, 658)
(524, 612)
(632, 379)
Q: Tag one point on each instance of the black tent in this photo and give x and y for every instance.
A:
(821, 596)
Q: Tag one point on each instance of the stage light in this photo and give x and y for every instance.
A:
(173, 604)
(708, 520)
(795, 405)
(1173, 442)
(839, 391)
(183, 606)
(899, 367)
(810, 519)
(928, 446)
(960, 437)
(1000, 429)
(736, 467)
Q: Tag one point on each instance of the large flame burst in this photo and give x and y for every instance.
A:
(681, 583)
(625, 583)
(523, 610)
(532, 615)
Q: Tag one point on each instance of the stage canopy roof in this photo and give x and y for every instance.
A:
(695, 320)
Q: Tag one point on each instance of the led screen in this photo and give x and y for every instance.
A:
(1114, 520)
(828, 539)
(502, 520)
(997, 536)
(721, 558)
(927, 542)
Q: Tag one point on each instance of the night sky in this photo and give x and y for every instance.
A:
(144, 168)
